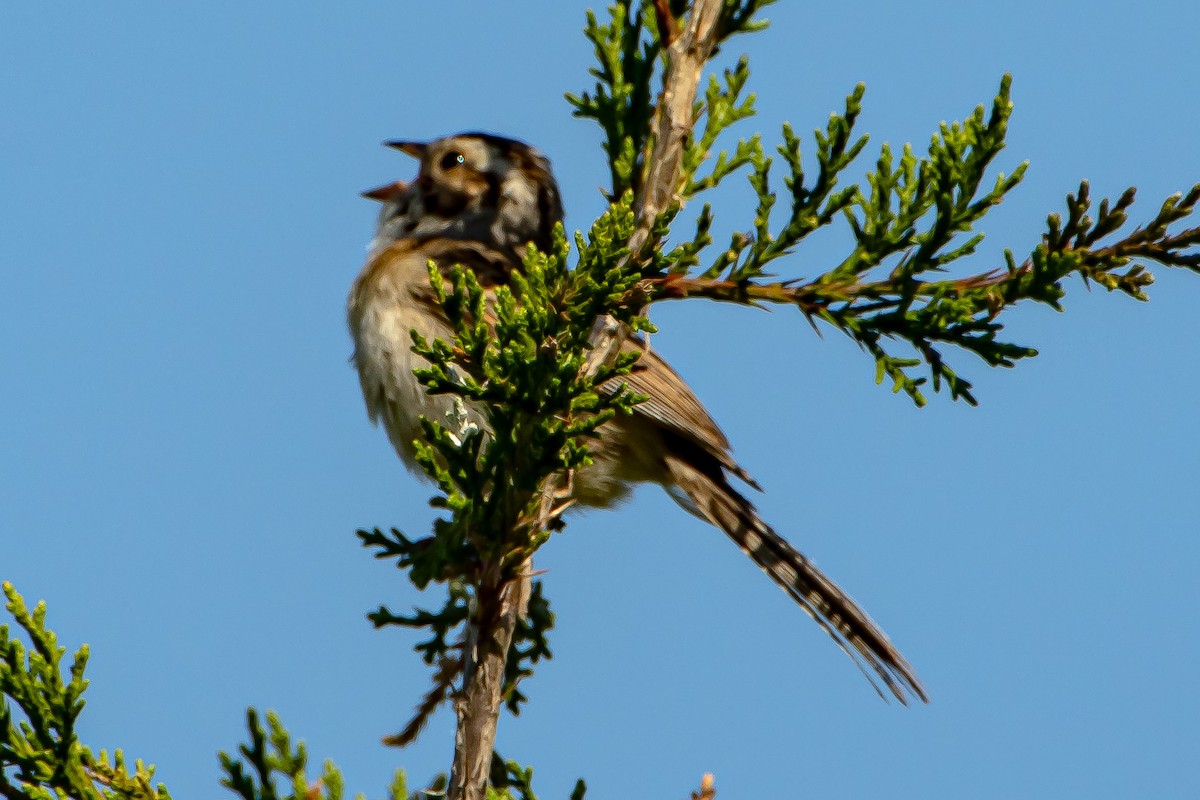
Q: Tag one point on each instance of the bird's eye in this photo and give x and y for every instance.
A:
(452, 159)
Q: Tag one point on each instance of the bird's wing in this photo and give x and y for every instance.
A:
(672, 404)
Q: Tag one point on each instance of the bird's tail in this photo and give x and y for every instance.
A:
(823, 600)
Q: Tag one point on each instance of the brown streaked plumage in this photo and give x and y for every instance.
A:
(479, 212)
(485, 187)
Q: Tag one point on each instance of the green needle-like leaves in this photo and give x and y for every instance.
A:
(911, 220)
(273, 767)
(41, 757)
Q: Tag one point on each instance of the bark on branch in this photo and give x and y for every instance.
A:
(490, 634)
(688, 49)
(499, 604)
(687, 53)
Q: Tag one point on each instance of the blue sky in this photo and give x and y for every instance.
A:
(186, 457)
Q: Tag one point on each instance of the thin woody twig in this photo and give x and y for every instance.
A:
(707, 789)
(668, 26)
(673, 116)
(443, 682)
(815, 296)
(810, 298)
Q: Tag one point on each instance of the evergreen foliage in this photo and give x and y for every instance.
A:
(529, 359)
(41, 757)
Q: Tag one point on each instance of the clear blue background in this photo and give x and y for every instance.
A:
(185, 454)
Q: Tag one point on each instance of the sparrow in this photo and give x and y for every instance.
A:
(477, 201)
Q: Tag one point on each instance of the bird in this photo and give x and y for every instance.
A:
(477, 201)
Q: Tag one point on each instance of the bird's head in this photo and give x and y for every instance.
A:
(477, 186)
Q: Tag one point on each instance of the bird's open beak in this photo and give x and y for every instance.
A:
(386, 192)
(414, 149)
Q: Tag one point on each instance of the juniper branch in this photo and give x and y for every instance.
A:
(964, 311)
(41, 756)
(911, 217)
(274, 767)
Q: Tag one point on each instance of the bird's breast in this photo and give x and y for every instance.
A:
(382, 312)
